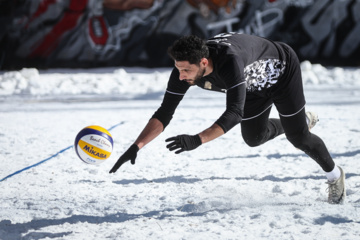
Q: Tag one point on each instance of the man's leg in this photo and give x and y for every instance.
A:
(260, 129)
(297, 132)
(289, 98)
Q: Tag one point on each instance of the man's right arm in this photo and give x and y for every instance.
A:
(175, 92)
(158, 122)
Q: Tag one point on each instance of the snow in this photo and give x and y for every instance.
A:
(222, 190)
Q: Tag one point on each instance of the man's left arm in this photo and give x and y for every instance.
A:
(232, 116)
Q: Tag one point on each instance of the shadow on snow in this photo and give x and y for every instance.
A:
(183, 179)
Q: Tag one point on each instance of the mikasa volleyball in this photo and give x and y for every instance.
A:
(93, 144)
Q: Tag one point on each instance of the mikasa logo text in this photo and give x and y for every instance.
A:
(101, 141)
(93, 152)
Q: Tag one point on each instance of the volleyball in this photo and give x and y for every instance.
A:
(93, 144)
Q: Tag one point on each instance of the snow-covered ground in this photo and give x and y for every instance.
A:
(222, 190)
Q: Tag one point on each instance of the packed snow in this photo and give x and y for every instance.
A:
(222, 190)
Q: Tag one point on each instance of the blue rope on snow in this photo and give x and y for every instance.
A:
(51, 157)
(36, 164)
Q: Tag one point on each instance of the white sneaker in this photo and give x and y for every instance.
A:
(311, 119)
(336, 189)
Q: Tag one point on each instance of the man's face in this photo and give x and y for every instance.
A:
(190, 72)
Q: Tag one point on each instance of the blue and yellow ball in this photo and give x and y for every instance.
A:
(93, 144)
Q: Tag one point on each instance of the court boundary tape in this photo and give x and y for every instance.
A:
(49, 158)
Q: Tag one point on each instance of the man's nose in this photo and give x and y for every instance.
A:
(182, 76)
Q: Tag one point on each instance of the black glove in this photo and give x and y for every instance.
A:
(183, 143)
(130, 154)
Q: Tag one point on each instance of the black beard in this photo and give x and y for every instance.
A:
(198, 77)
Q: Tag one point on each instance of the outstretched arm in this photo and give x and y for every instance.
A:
(161, 118)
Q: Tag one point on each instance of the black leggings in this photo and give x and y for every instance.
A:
(261, 129)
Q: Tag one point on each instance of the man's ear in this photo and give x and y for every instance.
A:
(204, 62)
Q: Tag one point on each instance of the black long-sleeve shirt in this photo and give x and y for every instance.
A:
(240, 65)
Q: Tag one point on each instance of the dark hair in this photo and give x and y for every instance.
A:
(189, 48)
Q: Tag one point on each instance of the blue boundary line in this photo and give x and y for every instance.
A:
(51, 157)
(36, 164)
